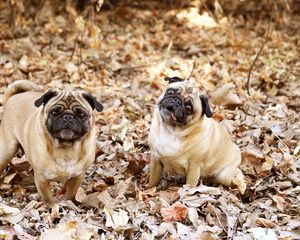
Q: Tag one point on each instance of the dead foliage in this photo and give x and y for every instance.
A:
(121, 55)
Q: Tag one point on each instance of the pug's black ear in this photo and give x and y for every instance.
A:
(205, 106)
(93, 102)
(173, 79)
(45, 98)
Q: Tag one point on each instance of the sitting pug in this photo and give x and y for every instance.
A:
(184, 139)
(56, 130)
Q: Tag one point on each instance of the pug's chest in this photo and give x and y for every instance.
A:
(166, 145)
(169, 150)
(63, 169)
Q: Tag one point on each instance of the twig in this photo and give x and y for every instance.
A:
(169, 49)
(75, 41)
(80, 49)
(132, 67)
(259, 52)
(85, 14)
(193, 67)
(218, 218)
(280, 140)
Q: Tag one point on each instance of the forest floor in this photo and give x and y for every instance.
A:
(122, 55)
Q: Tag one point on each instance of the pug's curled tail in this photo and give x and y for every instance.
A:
(18, 87)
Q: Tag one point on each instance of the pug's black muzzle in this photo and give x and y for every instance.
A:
(172, 109)
(67, 127)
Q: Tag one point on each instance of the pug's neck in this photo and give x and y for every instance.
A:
(186, 130)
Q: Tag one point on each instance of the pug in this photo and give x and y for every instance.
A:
(184, 139)
(56, 130)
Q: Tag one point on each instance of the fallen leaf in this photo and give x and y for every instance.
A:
(280, 202)
(166, 227)
(205, 232)
(263, 234)
(225, 96)
(9, 178)
(169, 196)
(80, 195)
(115, 219)
(80, 23)
(268, 164)
(176, 212)
(10, 214)
(265, 223)
(193, 215)
(64, 231)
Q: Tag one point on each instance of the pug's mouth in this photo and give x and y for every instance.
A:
(169, 112)
(67, 134)
(172, 114)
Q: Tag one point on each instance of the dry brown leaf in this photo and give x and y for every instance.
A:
(263, 233)
(124, 66)
(94, 31)
(262, 222)
(80, 195)
(205, 232)
(92, 200)
(193, 215)
(10, 214)
(225, 96)
(9, 178)
(7, 233)
(280, 202)
(116, 219)
(169, 196)
(65, 231)
(268, 164)
(166, 227)
(176, 212)
(186, 190)
(99, 185)
(80, 23)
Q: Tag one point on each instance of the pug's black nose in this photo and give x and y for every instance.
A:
(176, 101)
(68, 118)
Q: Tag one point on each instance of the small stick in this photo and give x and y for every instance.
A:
(193, 67)
(280, 140)
(80, 49)
(75, 41)
(259, 52)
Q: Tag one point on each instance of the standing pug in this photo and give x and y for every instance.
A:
(56, 130)
(185, 139)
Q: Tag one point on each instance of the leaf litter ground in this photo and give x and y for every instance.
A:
(122, 56)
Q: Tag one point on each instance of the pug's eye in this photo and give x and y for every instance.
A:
(188, 108)
(81, 114)
(170, 92)
(55, 112)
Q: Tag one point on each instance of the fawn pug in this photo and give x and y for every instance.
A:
(185, 139)
(56, 130)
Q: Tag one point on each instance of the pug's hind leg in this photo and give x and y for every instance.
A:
(156, 168)
(7, 151)
(232, 175)
(44, 188)
(193, 174)
(72, 186)
(239, 181)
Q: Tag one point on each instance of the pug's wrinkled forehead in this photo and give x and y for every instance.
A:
(181, 86)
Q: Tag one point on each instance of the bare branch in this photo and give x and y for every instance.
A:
(193, 67)
(258, 54)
